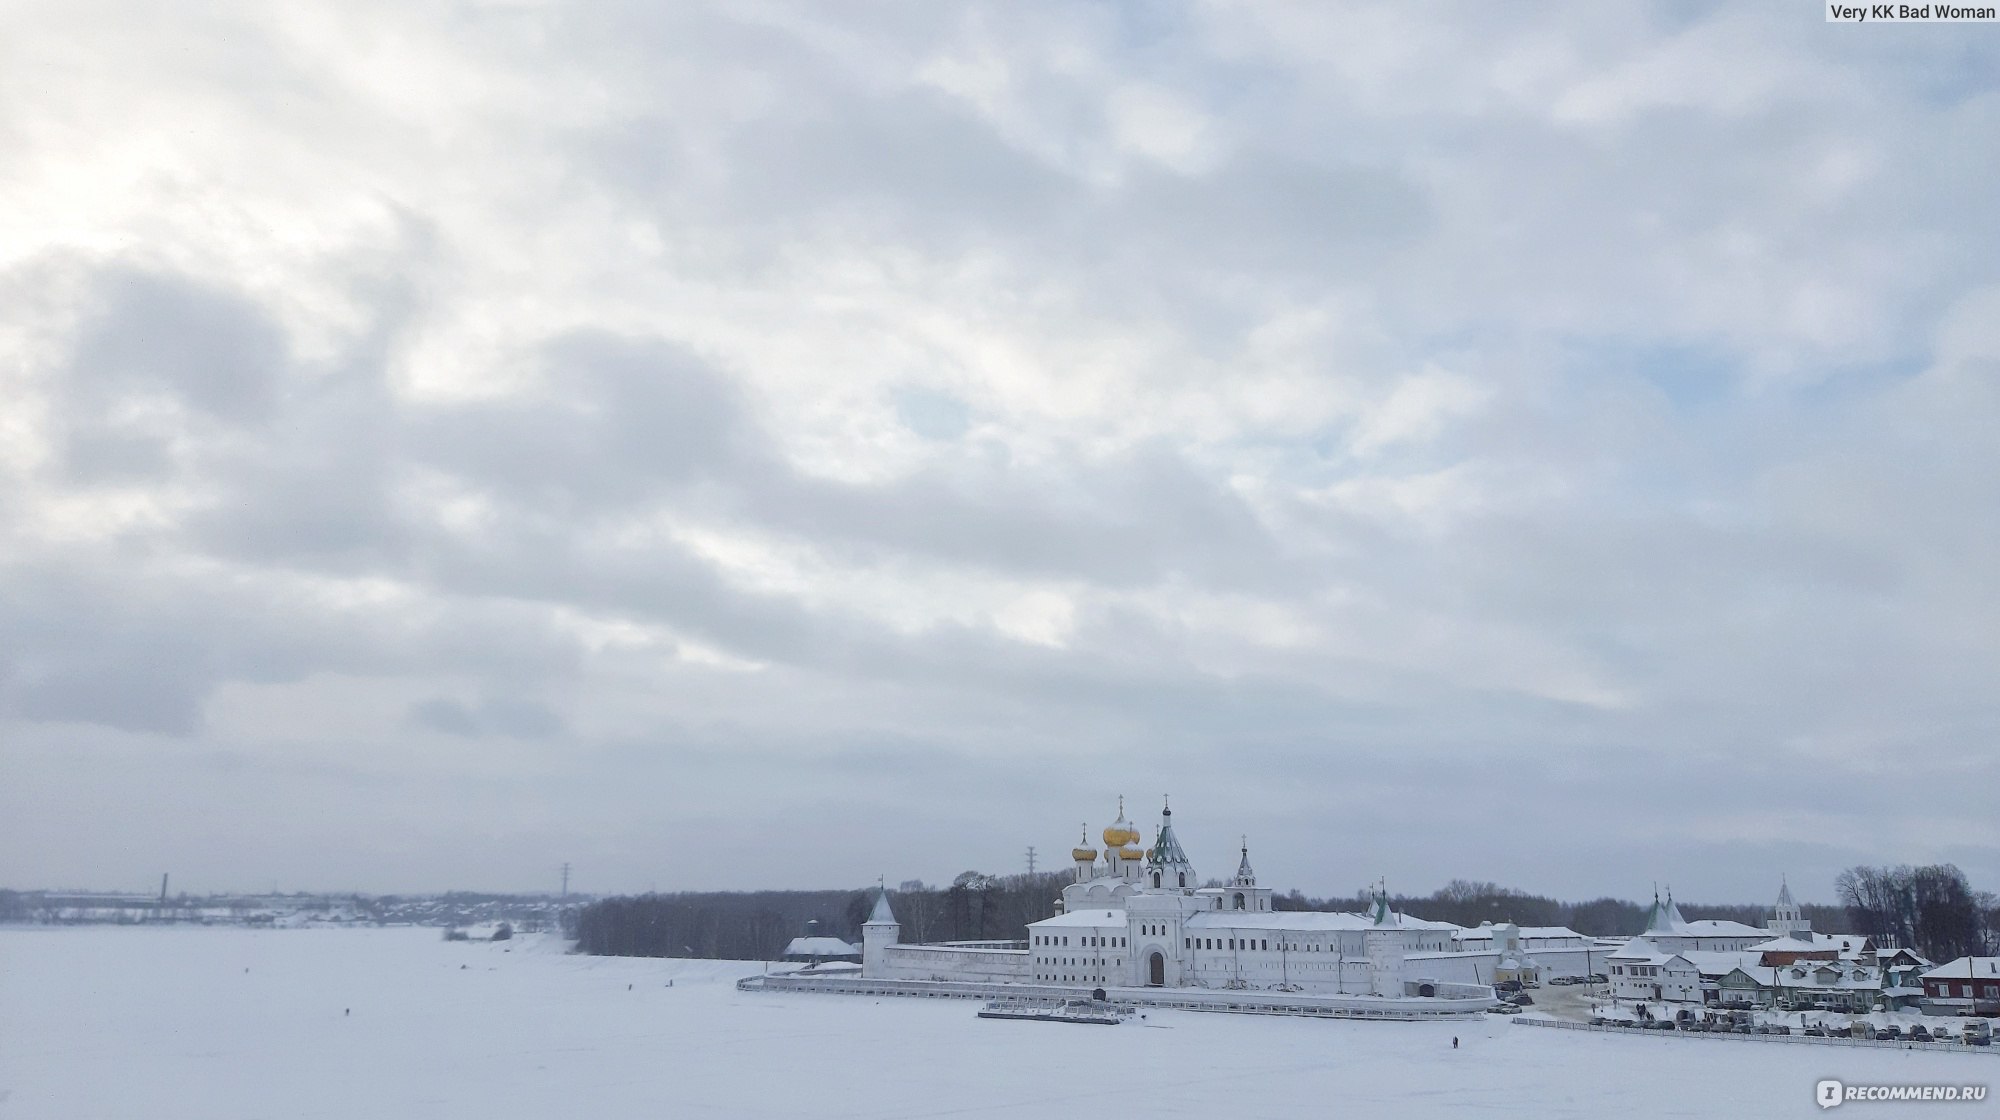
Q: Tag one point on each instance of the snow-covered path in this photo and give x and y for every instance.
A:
(223, 1024)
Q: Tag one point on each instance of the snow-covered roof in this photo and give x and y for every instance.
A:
(1485, 933)
(1819, 974)
(1304, 921)
(1667, 962)
(1722, 964)
(1845, 944)
(1664, 919)
(1094, 919)
(820, 947)
(1965, 968)
(1803, 974)
(1716, 927)
(1638, 949)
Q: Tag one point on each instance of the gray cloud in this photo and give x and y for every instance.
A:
(919, 428)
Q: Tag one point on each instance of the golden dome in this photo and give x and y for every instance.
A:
(1083, 852)
(1121, 831)
(1132, 853)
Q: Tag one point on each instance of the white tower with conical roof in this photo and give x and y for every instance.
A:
(1384, 944)
(880, 931)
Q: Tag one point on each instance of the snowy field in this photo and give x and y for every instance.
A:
(119, 1023)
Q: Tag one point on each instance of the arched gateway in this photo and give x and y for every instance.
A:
(1156, 971)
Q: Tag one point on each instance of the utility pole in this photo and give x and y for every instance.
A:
(1031, 859)
(565, 889)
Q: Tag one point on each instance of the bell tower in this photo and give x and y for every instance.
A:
(1243, 893)
(1787, 920)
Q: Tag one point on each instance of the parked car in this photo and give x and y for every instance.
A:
(1524, 999)
(1887, 1034)
(1920, 1033)
(1599, 978)
(1815, 1031)
(1597, 1020)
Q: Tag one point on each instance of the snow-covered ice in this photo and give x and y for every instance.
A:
(116, 1023)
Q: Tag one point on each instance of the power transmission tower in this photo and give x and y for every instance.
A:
(1031, 859)
(565, 891)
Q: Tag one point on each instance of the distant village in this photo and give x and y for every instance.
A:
(477, 915)
(1706, 975)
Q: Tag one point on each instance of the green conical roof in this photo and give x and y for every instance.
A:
(1660, 918)
(1166, 850)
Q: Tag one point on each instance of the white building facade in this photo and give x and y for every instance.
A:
(1138, 917)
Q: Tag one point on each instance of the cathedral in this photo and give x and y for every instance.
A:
(1138, 917)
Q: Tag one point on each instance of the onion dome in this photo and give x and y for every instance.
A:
(1083, 852)
(1121, 833)
(1132, 853)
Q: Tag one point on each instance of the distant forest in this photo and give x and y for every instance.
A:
(1933, 909)
(755, 925)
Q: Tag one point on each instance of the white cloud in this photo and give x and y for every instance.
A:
(755, 401)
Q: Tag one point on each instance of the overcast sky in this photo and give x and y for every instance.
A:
(780, 445)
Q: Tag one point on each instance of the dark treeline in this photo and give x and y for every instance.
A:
(1932, 910)
(755, 925)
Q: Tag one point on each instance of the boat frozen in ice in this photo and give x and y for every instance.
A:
(1094, 1011)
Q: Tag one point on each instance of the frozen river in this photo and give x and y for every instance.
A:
(220, 1024)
